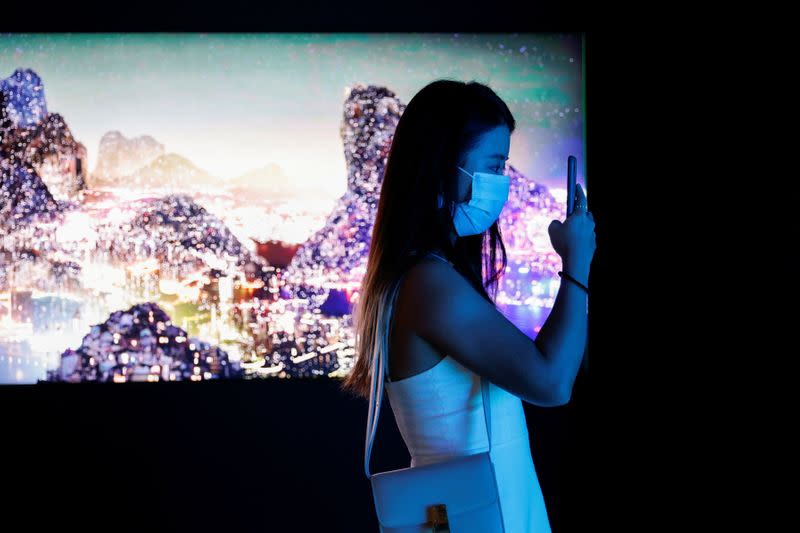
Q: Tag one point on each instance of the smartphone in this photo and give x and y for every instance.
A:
(572, 166)
(572, 170)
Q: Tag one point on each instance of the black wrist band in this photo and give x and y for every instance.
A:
(573, 280)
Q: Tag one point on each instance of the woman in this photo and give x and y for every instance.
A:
(435, 234)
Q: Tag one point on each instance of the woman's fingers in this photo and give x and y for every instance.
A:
(580, 200)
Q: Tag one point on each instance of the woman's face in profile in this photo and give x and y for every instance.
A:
(489, 155)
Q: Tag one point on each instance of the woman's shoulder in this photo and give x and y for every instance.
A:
(426, 268)
(425, 278)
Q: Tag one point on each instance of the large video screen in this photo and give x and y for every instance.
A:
(193, 207)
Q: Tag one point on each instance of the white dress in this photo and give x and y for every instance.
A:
(439, 413)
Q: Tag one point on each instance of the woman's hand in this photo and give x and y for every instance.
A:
(574, 239)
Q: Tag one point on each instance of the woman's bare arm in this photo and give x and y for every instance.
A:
(446, 311)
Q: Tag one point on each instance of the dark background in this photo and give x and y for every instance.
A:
(224, 455)
(287, 455)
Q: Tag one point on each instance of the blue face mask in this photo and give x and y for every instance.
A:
(489, 195)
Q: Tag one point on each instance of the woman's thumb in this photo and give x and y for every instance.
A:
(554, 226)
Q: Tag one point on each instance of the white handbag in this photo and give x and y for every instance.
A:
(459, 495)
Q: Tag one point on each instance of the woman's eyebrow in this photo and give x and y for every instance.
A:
(498, 156)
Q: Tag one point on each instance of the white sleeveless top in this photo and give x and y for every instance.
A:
(439, 413)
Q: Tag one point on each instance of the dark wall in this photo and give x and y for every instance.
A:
(220, 455)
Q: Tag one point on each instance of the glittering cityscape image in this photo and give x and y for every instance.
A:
(199, 206)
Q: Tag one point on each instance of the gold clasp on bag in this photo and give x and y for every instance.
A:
(437, 516)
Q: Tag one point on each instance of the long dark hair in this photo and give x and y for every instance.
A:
(439, 126)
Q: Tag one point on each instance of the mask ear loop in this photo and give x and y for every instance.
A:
(472, 181)
(440, 198)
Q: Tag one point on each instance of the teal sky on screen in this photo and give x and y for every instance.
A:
(232, 103)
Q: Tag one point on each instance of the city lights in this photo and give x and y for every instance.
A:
(129, 273)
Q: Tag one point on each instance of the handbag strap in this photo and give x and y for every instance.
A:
(376, 394)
